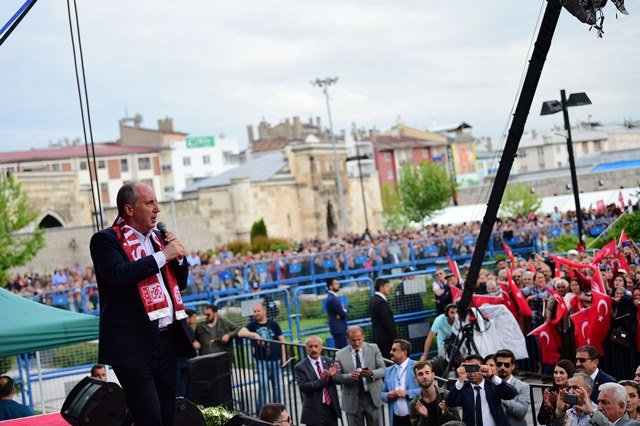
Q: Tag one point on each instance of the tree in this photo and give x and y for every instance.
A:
(15, 215)
(424, 189)
(392, 208)
(519, 199)
(258, 229)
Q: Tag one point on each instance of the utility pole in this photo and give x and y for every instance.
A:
(324, 85)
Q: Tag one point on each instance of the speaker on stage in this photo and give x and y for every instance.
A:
(93, 402)
(210, 380)
(187, 414)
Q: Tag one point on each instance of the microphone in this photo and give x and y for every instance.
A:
(163, 230)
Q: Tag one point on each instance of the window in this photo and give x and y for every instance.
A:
(83, 165)
(597, 146)
(101, 164)
(558, 149)
(585, 148)
(206, 159)
(425, 153)
(387, 156)
(124, 165)
(103, 187)
(168, 189)
(540, 151)
(148, 182)
(55, 167)
(389, 174)
(186, 161)
(144, 163)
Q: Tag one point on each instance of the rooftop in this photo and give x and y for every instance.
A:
(75, 151)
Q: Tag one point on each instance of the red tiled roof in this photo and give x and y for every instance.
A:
(101, 149)
(271, 144)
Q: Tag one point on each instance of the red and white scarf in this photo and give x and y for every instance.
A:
(151, 293)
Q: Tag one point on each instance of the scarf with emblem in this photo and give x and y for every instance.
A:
(150, 289)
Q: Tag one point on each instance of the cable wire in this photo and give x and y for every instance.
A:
(92, 171)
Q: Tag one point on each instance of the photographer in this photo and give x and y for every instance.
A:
(574, 406)
(480, 399)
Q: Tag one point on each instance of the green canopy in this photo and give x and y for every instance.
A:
(27, 326)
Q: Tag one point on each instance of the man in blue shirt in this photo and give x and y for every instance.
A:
(10, 409)
(440, 330)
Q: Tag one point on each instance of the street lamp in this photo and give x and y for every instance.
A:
(324, 85)
(551, 107)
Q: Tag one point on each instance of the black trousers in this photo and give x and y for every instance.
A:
(401, 421)
(151, 391)
(328, 417)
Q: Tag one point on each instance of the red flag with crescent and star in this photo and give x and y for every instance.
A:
(509, 254)
(606, 251)
(518, 298)
(581, 327)
(600, 318)
(550, 342)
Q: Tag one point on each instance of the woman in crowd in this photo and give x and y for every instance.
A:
(633, 403)
(563, 370)
(580, 299)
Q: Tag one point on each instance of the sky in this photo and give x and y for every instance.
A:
(217, 66)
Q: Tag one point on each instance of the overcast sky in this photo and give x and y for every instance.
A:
(217, 66)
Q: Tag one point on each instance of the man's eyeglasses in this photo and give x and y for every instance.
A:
(501, 364)
(583, 360)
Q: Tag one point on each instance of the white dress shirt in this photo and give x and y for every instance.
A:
(315, 370)
(401, 407)
(353, 358)
(487, 418)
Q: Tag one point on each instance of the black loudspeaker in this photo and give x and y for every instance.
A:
(187, 414)
(93, 402)
(210, 380)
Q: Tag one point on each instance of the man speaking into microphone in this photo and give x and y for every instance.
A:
(142, 320)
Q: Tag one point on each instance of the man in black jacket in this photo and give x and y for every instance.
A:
(314, 375)
(382, 323)
(143, 324)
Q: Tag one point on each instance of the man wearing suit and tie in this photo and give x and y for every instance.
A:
(315, 377)
(383, 325)
(361, 374)
(400, 385)
(480, 397)
(587, 360)
(337, 314)
(143, 326)
(516, 408)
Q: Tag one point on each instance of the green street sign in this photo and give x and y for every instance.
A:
(200, 141)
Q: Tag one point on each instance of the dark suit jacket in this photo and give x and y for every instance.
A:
(127, 336)
(383, 325)
(311, 388)
(465, 398)
(334, 307)
(601, 378)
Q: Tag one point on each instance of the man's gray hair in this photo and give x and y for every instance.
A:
(354, 328)
(618, 391)
(126, 195)
(312, 337)
(588, 381)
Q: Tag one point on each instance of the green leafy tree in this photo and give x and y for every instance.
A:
(629, 223)
(258, 229)
(519, 199)
(392, 208)
(15, 215)
(424, 189)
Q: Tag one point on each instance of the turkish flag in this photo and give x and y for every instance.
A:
(621, 200)
(600, 318)
(518, 298)
(453, 266)
(483, 299)
(510, 255)
(549, 342)
(600, 207)
(532, 268)
(606, 251)
(622, 262)
(561, 309)
(581, 327)
(508, 301)
(597, 282)
(623, 239)
(456, 293)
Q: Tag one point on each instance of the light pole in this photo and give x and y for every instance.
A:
(551, 107)
(324, 85)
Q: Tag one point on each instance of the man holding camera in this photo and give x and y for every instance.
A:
(480, 399)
